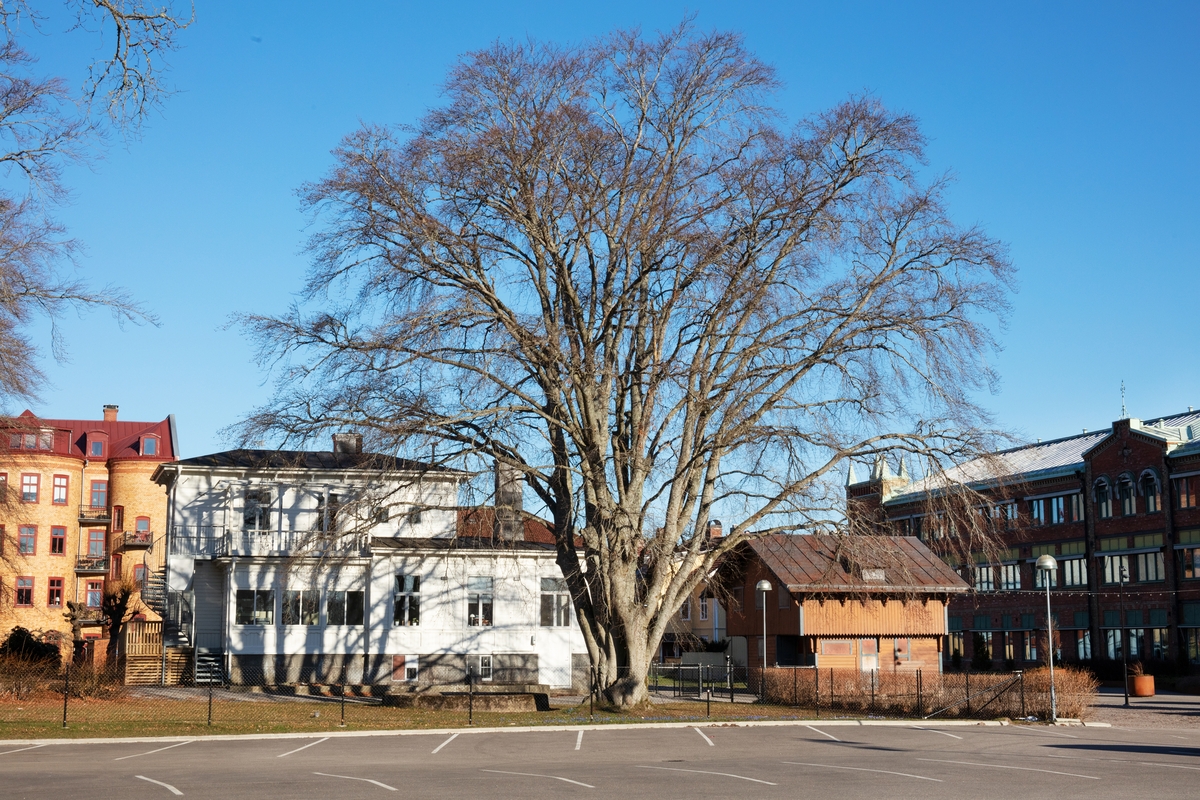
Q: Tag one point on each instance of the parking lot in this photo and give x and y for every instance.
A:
(623, 762)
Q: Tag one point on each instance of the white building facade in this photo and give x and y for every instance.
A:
(323, 567)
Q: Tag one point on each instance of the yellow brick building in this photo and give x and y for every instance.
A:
(78, 508)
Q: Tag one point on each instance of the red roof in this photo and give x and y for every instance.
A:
(124, 437)
(479, 522)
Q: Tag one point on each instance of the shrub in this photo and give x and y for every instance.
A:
(24, 645)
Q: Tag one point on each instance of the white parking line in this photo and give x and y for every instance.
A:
(579, 740)
(1041, 733)
(298, 749)
(453, 736)
(1003, 766)
(706, 772)
(22, 750)
(864, 769)
(710, 741)
(160, 783)
(1176, 766)
(823, 733)
(537, 775)
(159, 750)
(352, 778)
(935, 730)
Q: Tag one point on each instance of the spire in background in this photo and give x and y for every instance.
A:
(850, 481)
(1124, 413)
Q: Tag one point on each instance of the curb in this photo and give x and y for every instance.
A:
(803, 723)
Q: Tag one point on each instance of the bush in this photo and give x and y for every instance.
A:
(31, 648)
(1075, 691)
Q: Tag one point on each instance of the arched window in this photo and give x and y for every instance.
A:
(1126, 495)
(1151, 489)
(1103, 493)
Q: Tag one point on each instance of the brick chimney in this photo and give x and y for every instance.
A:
(110, 413)
(347, 443)
(510, 522)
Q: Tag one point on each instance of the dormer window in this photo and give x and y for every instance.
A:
(149, 445)
(39, 440)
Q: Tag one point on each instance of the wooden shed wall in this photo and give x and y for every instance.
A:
(856, 617)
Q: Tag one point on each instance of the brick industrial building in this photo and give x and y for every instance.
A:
(78, 508)
(1121, 500)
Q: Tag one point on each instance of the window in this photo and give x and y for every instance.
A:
(328, 508)
(1185, 491)
(1042, 576)
(759, 599)
(344, 608)
(1150, 567)
(408, 601)
(984, 579)
(43, 440)
(1004, 515)
(1103, 499)
(1077, 508)
(956, 644)
(142, 524)
(479, 601)
(96, 543)
(1083, 645)
(1010, 577)
(94, 592)
(902, 650)
(1037, 512)
(96, 449)
(1126, 496)
(1058, 510)
(484, 668)
(58, 541)
(784, 598)
(150, 446)
(24, 592)
(1151, 492)
(254, 607)
(27, 540)
(1190, 561)
(1115, 567)
(1156, 643)
(60, 491)
(99, 494)
(139, 574)
(736, 597)
(300, 607)
(1075, 572)
(685, 610)
(703, 607)
(54, 592)
(118, 518)
(556, 603)
(256, 510)
(31, 485)
(404, 668)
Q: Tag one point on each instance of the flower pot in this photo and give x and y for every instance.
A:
(1141, 685)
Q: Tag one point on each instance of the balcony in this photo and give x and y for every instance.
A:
(137, 540)
(95, 515)
(215, 541)
(92, 565)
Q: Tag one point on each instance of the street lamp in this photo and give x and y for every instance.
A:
(763, 586)
(1124, 643)
(1049, 568)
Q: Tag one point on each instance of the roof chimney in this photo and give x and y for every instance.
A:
(110, 413)
(510, 522)
(715, 530)
(347, 443)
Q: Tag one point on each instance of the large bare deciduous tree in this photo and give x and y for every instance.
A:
(613, 267)
(44, 125)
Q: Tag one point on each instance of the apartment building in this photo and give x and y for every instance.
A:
(78, 509)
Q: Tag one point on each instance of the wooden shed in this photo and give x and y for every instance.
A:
(861, 603)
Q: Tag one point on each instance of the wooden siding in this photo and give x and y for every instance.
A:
(874, 618)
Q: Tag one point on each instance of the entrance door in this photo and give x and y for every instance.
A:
(868, 658)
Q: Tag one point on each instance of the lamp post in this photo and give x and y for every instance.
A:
(1124, 644)
(763, 586)
(1049, 568)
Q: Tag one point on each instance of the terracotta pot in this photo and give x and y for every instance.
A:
(1141, 685)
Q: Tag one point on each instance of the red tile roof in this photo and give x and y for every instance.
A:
(479, 522)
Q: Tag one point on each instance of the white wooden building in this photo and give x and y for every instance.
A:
(318, 567)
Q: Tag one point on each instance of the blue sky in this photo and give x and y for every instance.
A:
(1071, 129)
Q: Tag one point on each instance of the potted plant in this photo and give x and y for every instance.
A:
(1140, 684)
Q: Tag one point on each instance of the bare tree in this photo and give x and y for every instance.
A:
(613, 267)
(43, 126)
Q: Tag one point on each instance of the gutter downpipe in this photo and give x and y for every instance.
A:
(162, 629)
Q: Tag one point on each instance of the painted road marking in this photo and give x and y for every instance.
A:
(864, 769)
(706, 772)
(160, 783)
(934, 730)
(536, 775)
(298, 749)
(352, 778)
(823, 733)
(22, 749)
(159, 750)
(1042, 733)
(1176, 766)
(710, 741)
(453, 736)
(1002, 766)
(579, 740)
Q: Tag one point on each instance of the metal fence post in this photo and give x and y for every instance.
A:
(967, 679)
(342, 724)
(470, 695)
(1022, 674)
(210, 695)
(920, 707)
(831, 688)
(817, 690)
(795, 689)
(66, 691)
(592, 692)
(874, 672)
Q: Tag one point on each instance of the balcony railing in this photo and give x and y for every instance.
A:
(95, 513)
(216, 541)
(91, 564)
(132, 539)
